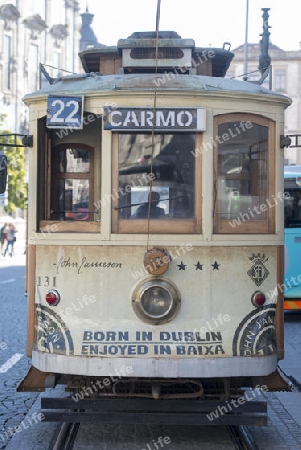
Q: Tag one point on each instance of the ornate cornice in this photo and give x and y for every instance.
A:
(72, 4)
(36, 25)
(9, 14)
(59, 33)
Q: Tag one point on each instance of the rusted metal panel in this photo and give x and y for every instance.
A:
(275, 382)
(110, 65)
(34, 381)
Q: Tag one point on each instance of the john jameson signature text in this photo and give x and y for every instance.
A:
(85, 264)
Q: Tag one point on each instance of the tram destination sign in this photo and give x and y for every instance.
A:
(163, 119)
(65, 112)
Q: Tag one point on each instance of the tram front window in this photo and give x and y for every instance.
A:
(156, 176)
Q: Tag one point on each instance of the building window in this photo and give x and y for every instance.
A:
(280, 80)
(155, 179)
(33, 64)
(243, 174)
(57, 64)
(7, 69)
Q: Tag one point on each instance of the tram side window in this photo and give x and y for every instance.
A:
(243, 175)
(156, 180)
(72, 184)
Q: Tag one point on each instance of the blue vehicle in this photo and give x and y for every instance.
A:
(292, 237)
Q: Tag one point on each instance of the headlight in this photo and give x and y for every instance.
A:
(156, 301)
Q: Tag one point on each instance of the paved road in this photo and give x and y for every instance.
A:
(13, 362)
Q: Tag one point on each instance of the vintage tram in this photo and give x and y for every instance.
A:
(155, 236)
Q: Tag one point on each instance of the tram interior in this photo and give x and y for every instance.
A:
(168, 172)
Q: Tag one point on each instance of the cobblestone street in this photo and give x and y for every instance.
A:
(14, 406)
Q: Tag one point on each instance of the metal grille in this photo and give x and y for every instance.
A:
(150, 53)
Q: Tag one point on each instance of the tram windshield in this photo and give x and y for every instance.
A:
(292, 204)
(158, 182)
(292, 227)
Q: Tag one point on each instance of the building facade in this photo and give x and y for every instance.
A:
(285, 78)
(46, 32)
(34, 32)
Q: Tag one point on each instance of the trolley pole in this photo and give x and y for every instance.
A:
(245, 77)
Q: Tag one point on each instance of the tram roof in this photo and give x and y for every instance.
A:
(90, 83)
(137, 53)
(90, 58)
(178, 65)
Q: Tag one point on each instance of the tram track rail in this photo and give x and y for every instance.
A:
(242, 438)
(66, 437)
(239, 436)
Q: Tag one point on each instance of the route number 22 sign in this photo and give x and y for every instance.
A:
(64, 112)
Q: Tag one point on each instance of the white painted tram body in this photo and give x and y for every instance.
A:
(155, 220)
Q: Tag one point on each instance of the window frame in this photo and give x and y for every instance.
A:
(252, 226)
(49, 201)
(33, 73)
(280, 78)
(7, 66)
(160, 226)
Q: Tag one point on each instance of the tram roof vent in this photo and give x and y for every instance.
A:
(138, 51)
(137, 54)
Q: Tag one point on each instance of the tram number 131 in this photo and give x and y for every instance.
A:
(64, 112)
(46, 281)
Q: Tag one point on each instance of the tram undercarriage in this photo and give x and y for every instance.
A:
(227, 401)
